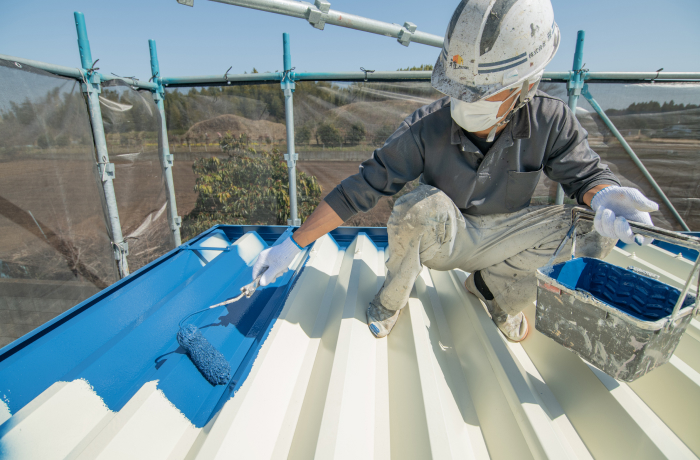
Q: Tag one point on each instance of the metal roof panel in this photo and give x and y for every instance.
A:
(108, 380)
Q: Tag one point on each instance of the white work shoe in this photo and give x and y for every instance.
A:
(514, 328)
(379, 319)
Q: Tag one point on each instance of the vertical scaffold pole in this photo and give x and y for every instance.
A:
(91, 86)
(167, 159)
(291, 157)
(574, 89)
(635, 159)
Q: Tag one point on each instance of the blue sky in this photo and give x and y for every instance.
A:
(622, 35)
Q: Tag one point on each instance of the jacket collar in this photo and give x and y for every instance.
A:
(521, 123)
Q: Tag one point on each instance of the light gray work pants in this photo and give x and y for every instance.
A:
(427, 228)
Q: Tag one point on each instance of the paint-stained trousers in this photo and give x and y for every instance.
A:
(426, 228)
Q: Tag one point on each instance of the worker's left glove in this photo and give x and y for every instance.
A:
(274, 261)
(614, 206)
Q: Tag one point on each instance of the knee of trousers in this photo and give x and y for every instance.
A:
(425, 209)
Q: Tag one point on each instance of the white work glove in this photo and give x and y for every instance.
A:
(274, 261)
(614, 206)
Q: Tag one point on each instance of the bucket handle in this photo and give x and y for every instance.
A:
(684, 293)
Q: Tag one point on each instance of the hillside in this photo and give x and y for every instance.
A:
(254, 129)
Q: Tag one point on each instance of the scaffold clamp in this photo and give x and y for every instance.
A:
(108, 170)
(120, 250)
(406, 33)
(291, 160)
(315, 12)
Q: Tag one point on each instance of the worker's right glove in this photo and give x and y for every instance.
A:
(614, 206)
(274, 261)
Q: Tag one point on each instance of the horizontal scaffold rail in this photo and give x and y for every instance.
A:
(276, 77)
(412, 76)
(77, 73)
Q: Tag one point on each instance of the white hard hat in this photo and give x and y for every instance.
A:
(491, 45)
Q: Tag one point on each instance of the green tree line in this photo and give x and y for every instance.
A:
(651, 107)
(185, 107)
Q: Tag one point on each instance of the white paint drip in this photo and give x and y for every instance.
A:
(637, 345)
(5, 413)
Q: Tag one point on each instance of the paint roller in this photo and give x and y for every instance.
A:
(208, 360)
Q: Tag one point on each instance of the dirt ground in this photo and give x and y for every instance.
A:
(184, 180)
(62, 195)
(330, 173)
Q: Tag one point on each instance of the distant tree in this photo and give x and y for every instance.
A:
(174, 118)
(231, 144)
(383, 134)
(651, 107)
(24, 112)
(356, 134)
(422, 67)
(329, 134)
(302, 135)
(63, 140)
(251, 188)
(44, 141)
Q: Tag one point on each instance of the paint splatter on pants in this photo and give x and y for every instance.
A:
(426, 228)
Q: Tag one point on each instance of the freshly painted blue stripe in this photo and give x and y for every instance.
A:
(686, 253)
(78, 341)
(492, 64)
(261, 329)
(125, 336)
(132, 359)
(504, 68)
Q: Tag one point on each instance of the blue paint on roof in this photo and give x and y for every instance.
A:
(125, 336)
(686, 253)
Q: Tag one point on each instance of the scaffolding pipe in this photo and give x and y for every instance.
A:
(643, 77)
(632, 155)
(417, 75)
(273, 77)
(167, 159)
(319, 14)
(73, 72)
(91, 86)
(287, 85)
(574, 86)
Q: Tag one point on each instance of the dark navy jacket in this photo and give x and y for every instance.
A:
(543, 136)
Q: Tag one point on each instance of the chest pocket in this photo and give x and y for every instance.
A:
(521, 186)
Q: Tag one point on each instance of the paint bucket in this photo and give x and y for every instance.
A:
(622, 321)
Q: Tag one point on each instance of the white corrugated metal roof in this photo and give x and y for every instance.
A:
(445, 384)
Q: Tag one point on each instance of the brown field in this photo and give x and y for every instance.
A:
(330, 173)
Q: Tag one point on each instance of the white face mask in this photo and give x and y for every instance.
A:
(476, 116)
(482, 115)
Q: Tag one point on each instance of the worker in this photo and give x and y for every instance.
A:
(479, 152)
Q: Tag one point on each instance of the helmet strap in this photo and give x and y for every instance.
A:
(524, 99)
(492, 133)
(524, 91)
